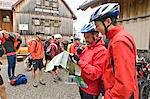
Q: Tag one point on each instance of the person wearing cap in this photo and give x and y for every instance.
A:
(91, 62)
(36, 49)
(8, 41)
(56, 48)
(58, 42)
(119, 76)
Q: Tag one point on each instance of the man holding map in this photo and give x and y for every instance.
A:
(90, 61)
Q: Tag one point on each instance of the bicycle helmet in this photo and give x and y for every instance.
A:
(56, 36)
(76, 37)
(106, 10)
(88, 28)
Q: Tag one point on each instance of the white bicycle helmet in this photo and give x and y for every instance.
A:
(106, 10)
(56, 36)
(88, 28)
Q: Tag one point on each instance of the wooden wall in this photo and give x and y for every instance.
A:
(62, 22)
(133, 8)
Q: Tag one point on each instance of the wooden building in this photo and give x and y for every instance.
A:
(46, 16)
(6, 18)
(135, 16)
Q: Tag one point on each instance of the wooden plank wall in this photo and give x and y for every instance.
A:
(133, 8)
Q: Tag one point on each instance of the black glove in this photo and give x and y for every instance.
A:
(20, 40)
(79, 51)
(17, 47)
(74, 58)
(1, 63)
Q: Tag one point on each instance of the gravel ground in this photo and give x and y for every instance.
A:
(51, 90)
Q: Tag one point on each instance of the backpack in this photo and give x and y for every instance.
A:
(48, 49)
(30, 43)
(19, 79)
(17, 40)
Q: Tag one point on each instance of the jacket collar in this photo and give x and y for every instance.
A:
(97, 42)
(113, 31)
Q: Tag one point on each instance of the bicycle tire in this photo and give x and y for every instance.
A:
(145, 90)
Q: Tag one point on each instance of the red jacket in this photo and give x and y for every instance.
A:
(121, 81)
(74, 48)
(91, 60)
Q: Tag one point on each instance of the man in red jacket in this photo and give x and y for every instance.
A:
(120, 80)
(90, 61)
(36, 49)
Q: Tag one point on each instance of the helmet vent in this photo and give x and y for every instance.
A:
(115, 7)
(97, 11)
(104, 8)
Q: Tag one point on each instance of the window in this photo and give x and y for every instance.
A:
(47, 22)
(38, 2)
(51, 22)
(55, 5)
(42, 22)
(36, 22)
(47, 3)
(55, 0)
(6, 19)
(56, 23)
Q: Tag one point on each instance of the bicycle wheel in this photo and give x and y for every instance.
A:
(145, 90)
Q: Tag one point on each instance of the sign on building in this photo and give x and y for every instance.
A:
(23, 27)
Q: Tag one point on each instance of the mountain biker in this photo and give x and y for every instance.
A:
(120, 80)
(90, 61)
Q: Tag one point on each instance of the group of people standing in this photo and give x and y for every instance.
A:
(113, 67)
(40, 50)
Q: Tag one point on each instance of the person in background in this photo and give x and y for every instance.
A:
(58, 42)
(2, 85)
(47, 51)
(8, 40)
(119, 76)
(55, 50)
(65, 44)
(36, 49)
(91, 61)
(71, 40)
(72, 48)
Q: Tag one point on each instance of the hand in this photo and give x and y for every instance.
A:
(74, 58)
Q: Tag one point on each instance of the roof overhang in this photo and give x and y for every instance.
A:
(73, 15)
(6, 4)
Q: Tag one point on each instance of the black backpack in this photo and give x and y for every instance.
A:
(1, 49)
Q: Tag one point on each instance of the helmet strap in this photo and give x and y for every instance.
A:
(106, 28)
